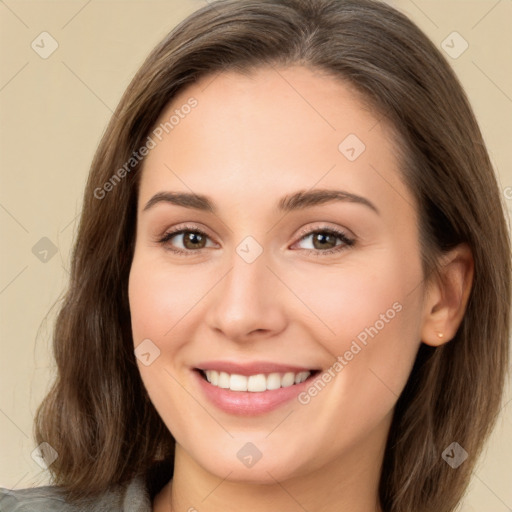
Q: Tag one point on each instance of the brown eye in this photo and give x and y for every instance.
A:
(185, 241)
(193, 240)
(326, 241)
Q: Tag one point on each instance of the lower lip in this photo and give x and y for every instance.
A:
(247, 403)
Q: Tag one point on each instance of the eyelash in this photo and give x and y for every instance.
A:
(347, 242)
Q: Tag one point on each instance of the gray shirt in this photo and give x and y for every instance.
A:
(132, 497)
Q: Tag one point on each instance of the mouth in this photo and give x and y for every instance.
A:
(251, 387)
(255, 383)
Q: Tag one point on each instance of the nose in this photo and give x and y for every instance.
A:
(248, 302)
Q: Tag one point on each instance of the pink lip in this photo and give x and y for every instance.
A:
(248, 403)
(248, 369)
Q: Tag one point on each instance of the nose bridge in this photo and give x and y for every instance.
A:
(247, 276)
(247, 298)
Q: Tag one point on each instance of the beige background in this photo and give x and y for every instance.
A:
(53, 114)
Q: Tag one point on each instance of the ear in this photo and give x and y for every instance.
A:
(447, 296)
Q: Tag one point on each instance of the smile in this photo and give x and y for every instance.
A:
(251, 388)
(254, 383)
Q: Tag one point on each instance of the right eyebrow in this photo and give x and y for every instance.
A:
(196, 201)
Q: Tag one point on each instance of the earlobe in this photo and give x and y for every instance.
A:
(447, 296)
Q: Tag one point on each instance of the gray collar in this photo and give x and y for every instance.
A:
(132, 497)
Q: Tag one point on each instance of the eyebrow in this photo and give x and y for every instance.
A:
(296, 201)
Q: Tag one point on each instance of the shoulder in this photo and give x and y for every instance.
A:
(32, 500)
(133, 497)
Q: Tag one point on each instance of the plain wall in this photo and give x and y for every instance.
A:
(53, 114)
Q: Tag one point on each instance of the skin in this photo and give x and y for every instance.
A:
(251, 140)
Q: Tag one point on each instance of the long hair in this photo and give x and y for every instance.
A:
(98, 416)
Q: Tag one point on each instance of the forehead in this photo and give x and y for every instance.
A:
(253, 136)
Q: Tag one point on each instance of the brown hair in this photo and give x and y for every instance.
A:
(98, 415)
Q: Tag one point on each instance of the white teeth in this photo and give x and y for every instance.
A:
(214, 377)
(255, 383)
(238, 382)
(274, 381)
(223, 380)
(288, 380)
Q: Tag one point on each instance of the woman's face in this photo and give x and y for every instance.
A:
(300, 258)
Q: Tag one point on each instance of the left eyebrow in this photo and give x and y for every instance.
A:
(308, 198)
(296, 201)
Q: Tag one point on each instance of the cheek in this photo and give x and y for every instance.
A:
(369, 315)
(160, 298)
(160, 301)
(350, 299)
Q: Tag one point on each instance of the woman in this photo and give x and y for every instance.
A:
(291, 284)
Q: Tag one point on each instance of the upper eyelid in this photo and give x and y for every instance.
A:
(303, 233)
(337, 231)
(179, 230)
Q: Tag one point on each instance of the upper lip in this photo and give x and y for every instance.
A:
(251, 368)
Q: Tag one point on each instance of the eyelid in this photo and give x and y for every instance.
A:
(347, 239)
(179, 229)
(324, 227)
